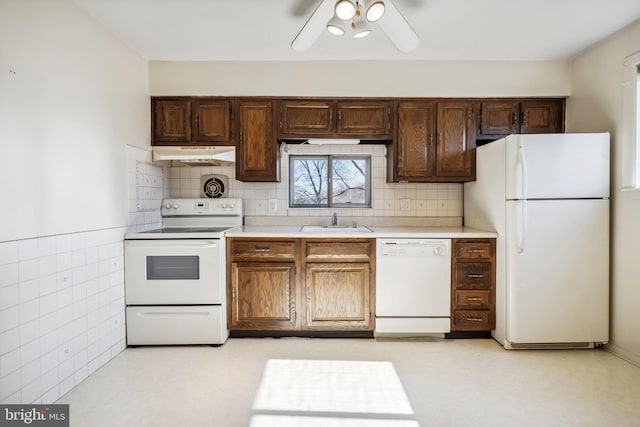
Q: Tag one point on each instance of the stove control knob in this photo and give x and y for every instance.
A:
(175, 206)
(224, 206)
(231, 205)
(167, 206)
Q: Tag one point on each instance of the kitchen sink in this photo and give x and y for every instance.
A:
(334, 229)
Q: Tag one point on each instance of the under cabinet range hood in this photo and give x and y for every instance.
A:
(195, 155)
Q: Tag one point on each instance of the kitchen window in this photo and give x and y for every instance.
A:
(631, 123)
(321, 181)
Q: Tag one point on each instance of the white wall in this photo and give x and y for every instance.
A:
(596, 105)
(72, 98)
(361, 78)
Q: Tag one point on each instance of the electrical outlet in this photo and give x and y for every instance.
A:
(273, 205)
(405, 204)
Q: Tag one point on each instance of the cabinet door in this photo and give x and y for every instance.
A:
(301, 119)
(212, 121)
(262, 296)
(338, 296)
(364, 119)
(171, 121)
(542, 116)
(499, 118)
(456, 146)
(257, 154)
(413, 154)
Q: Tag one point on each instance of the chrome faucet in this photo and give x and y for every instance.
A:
(334, 219)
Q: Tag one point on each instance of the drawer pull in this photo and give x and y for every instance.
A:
(475, 319)
(475, 276)
(262, 249)
(475, 251)
(474, 299)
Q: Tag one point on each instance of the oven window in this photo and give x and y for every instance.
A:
(173, 267)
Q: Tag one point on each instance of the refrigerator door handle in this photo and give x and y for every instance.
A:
(522, 160)
(521, 225)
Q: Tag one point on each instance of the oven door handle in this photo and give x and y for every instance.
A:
(172, 244)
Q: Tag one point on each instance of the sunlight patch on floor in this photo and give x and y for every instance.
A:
(331, 392)
(299, 421)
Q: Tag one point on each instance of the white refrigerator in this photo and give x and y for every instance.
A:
(547, 197)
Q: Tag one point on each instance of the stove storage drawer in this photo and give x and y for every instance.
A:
(161, 325)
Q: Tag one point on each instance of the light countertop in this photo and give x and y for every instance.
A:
(378, 232)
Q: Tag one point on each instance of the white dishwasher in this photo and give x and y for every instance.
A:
(413, 287)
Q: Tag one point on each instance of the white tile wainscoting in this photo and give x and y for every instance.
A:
(61, 312)
(62, 297)
(426, 199)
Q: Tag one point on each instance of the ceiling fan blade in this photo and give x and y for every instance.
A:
(314, 26)
(398, 29)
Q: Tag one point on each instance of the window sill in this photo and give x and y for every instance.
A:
(633, 192)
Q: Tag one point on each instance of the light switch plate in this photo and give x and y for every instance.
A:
(273, 205)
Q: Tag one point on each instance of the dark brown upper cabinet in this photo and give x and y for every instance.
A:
(500, 117)
(327, 118)
(434, 142)
(257, 152)
(191, 121)
(310, 118)
(171, 121)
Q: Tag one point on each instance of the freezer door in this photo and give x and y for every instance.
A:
(556, 166)
(557, 260)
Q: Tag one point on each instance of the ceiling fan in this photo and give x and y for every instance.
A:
(335, 15)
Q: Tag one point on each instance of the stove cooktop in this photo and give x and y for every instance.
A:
(179, 233)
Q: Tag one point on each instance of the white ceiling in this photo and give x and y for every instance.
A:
(262, 30)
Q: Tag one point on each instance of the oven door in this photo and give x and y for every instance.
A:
(174, 271)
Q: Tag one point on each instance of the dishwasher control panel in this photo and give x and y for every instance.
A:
(415, 247)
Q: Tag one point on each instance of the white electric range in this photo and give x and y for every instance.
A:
(175, 277)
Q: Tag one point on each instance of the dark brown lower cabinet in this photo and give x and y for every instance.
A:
(337, 295)
(473, 285)
(263, 295)
(297, 286)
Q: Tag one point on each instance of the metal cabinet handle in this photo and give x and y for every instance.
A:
(475, 251)
(474, 299)
(262, 250)
(475, 276)
(514, 119)
(474, 319)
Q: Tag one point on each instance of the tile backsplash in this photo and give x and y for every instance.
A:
(424, 199)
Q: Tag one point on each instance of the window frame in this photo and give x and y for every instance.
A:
(330, 158)
(631, 123)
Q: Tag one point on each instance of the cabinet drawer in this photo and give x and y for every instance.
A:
(474, 250)
(473, 299)
(261, 250)
(337, 250)
(473, 274)
(473, 320)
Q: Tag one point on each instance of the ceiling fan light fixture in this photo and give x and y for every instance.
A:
(361, 28)
(375, 11)
(336, 26)
(345, 10)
